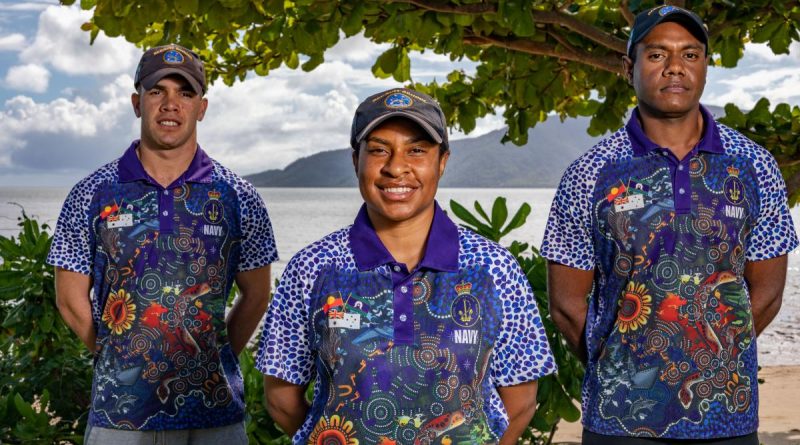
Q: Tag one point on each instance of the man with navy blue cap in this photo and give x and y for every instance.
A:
(146, 251)
(415, 331)
(676, 227)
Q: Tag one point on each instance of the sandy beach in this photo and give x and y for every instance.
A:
(779, 409)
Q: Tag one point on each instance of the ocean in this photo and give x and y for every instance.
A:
(302, 215)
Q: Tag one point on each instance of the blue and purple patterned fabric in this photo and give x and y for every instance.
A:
(411, 357)
(163, 261)
(669, 332)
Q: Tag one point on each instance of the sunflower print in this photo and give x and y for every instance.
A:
(119, 312)
(336, 431)
(635, 307)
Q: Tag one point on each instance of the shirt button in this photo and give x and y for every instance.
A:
(166, 192)
(403, 289)
(396, 268)
(403, 317)
(681, 191)
(680, 167)
(165, 213)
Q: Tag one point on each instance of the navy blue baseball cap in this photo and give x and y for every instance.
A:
(399, 102)
(647, 20)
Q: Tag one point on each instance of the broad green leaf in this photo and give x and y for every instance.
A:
(186, 7)
(351, 24)
(782, 38)
(23, 407)
(479, 209)
(463, 214)
(313, 62)
(764, 33)
(499, 213)
(403, 71)
(519, 218)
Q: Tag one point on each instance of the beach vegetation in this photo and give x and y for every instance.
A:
(531, 59)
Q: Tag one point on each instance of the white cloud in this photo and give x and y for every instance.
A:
(763, 52)
(60, 43)
(356, 49)
(277, 121)
(33, 78)
(66, 133)
(12, 42)
(26, 6)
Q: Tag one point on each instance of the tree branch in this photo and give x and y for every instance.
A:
(611, 62)
(562, 41)
(548, 17)
(625, 9)
(446, 7)
(590, 32)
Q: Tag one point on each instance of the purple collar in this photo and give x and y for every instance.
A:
(710, 142)
(441, 251)
(131, 169)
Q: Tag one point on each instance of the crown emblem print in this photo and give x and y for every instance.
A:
(465, 313)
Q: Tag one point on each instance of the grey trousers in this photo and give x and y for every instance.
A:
(228, 435)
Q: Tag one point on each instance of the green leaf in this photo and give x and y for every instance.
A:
(734, 116)
(292, 61)
(782, 38)
(386, 64)
(760, 114)
(186, 7)
(463, 214)
(403, 71)
(352, 22)
(517, 14)
(23, 407)
(479, 209)
(764, 33)
(519, 219)
(568, 411)
(313, 62)
(730, 51)
(499, 213)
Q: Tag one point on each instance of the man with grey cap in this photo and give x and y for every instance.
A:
(416, 330)
(146, 251)
(676, 227)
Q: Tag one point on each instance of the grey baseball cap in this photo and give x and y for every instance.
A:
(161, 61)
(399, 102)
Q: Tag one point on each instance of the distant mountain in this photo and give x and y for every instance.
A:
(474, 162)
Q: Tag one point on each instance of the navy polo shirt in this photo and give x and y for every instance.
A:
(162, 261)
(669, 331)
(410, 356)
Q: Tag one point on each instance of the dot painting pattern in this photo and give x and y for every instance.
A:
(161, 284)
(669, 329)
(474, 330)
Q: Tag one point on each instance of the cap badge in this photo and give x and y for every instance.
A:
(173, 57)
(398, 100)
(666, 10)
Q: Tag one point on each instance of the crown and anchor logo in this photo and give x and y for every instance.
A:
(212, 210)
(734, 189)
(465, 310)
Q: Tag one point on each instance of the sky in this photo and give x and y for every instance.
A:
(65, 105)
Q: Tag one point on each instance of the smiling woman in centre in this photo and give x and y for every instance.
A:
(416, 331)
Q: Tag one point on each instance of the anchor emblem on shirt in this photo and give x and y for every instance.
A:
(733, 187)
(735, 192)
(212, 209)
(465, 309)
(465, 314)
